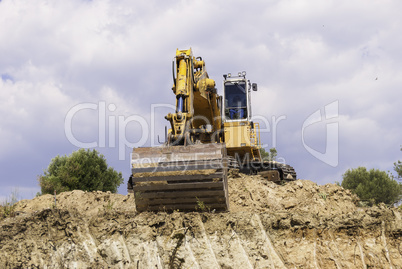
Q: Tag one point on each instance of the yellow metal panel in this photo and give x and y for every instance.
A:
(242, 140)
(237, 134)
(186, 52)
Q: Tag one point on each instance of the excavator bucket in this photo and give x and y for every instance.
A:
(185, 178)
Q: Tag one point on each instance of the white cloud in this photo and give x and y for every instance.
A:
(31, 111)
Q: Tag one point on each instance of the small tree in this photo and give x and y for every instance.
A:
(83, 170)
(272, 154)
(268, 156)
(374, 185)
(264, 154)
(398, 168)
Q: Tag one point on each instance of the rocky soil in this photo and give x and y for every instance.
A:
(297, 225)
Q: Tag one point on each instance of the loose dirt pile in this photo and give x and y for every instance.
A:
(297, 225)
(256, 194)
(86, 203)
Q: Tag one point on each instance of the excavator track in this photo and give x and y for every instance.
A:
(185, 178)
(275, 171)
(288, 172)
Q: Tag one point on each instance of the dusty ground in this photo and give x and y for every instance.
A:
(298, 225)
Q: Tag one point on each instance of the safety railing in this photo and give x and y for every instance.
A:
(255, 141)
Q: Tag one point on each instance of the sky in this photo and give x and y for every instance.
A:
(97, 74)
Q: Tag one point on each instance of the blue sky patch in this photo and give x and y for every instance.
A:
(6, 76)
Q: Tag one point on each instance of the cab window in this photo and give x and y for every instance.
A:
(235, 100)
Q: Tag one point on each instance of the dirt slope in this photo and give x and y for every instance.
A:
(298, 225)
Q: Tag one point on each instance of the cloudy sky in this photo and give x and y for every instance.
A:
(98, 73)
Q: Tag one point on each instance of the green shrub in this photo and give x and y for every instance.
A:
(83, 170)
(374, 186)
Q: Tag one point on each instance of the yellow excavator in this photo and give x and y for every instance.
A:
(209, 135)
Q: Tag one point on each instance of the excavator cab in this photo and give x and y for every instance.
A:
(241, 135)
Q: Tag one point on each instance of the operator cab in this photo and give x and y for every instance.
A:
(236, 96)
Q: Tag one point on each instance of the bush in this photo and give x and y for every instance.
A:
(83, 170)
(7, 207)
(374, 186)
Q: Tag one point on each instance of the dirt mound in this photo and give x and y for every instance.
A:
(297, 225)
(246, 193)
(258, 195)
(87, 203)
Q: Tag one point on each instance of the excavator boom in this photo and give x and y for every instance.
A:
(189, 172)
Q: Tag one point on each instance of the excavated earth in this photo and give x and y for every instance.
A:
(296, 225)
